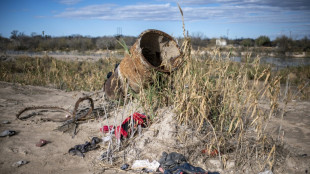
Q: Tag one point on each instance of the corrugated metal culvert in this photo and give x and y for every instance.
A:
(153, 50)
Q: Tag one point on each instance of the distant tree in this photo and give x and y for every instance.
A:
(4, 43)
(305, 44)
(33, 34)
(14, 34)
(198, 40)
(21, 35)
(235, 42)
(263, 41)
(284, 43)
(247, 42)
(212, 42)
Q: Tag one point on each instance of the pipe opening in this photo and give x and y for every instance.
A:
(158, 49)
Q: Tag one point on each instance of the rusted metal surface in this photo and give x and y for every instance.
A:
(153, 50)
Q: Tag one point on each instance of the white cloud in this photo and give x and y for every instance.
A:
(234, 11)
(285, 4)
(130, 12)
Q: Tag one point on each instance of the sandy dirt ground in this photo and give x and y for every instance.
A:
(54, 157)
(294, 128)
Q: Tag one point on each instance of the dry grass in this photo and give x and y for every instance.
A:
(218, 96)
(66, 75)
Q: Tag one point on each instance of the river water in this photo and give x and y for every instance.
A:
(278, 63)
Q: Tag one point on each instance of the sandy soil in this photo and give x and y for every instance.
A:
(54, 157)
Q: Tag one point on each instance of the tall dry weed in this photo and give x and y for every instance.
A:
(218, 96)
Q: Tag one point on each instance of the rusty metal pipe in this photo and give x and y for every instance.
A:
(153, 50)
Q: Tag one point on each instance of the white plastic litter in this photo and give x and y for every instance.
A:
(266, 172)
(20, 163)
(106, 138)
(6, 122)
(7, 133)
(145, 164)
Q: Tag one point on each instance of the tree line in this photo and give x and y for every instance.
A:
(20, 42)
(282, 43)
(40, 42)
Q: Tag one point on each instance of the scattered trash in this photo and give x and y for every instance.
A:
(20, 163)
(146, 165)
(106, 138)
(176, 163)
(304, 155)
(153, 50)
(106, 129)
(215, 163)
(171, 160)
(80, 149)
(230, 164)
(210, 152)
(186, 168)
(266, 172)
(109, 75)
(6, 122)
(103, 156)
(124, 166)
(107, 155)
(123, 131)
(7, 133)
(41, 143)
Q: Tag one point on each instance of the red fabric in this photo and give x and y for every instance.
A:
(122, 131)
(106, 129)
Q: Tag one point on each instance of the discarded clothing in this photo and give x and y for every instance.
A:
(7, 133)
(175, 163)
(124, 130)
(80, 149)
(185, 168)
(169, 161)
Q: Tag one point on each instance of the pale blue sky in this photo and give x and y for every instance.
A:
(212, 18)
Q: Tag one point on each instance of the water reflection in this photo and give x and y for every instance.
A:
(278, 63)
